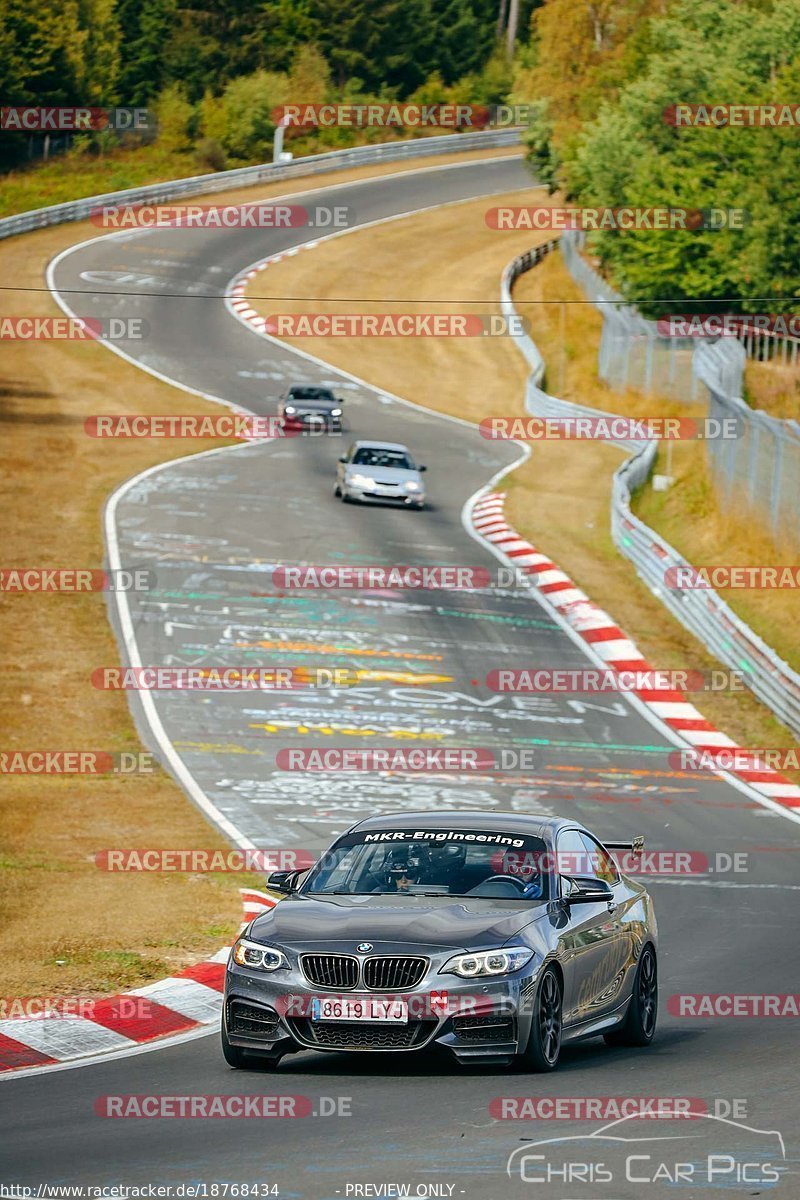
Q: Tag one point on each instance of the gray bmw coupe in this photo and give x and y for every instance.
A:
(495, 936)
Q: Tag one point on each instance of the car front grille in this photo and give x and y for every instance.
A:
(250, 1020)
(335, 1035)
(491, 1027)
(381, 973)
(393, 973)
(338, 971)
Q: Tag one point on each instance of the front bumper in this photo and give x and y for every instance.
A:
(313, 422)
(485, 1021)
(386, 495)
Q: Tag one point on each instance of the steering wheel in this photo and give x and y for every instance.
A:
(504, 879)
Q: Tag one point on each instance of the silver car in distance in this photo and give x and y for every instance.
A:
(382, 471)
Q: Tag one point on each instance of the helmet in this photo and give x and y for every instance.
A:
(403, 863)
(444, 859)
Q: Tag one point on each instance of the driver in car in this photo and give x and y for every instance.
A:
(445, 866)
(402, 869)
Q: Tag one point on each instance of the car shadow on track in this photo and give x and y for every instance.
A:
(364, 504)
(588, 1056)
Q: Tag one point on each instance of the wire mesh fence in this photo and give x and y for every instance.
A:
(760, 468)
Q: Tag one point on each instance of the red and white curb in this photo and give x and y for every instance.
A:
(618, 653)
(241, 307)
(175, 1005)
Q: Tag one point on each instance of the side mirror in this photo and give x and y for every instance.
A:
(422, 467)
(587, 891)
(339, 399)
(283, 881)
(342, 458)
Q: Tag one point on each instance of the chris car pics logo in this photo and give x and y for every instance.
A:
(656, 1154)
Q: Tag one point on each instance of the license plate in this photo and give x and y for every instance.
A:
(367, 1008)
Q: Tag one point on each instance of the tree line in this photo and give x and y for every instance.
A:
(138, 52)
(606, 74)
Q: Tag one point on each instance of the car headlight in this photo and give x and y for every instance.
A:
(258, 957)
(487, 962)
(411, 486)
(289, 409)
(336, 412)
(361, 480)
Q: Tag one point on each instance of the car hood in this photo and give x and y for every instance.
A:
(439, 923)
(385, 474)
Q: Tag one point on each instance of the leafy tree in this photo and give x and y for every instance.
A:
(101, 51)
(145, 27)
(310, 76)
(247, 106)
(174, 117)
(702, 51)
(41, 55)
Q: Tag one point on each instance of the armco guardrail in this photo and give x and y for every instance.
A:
(313, 164)
(701, 610)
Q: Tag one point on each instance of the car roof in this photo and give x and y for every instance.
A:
(380, 446)
(534, 824)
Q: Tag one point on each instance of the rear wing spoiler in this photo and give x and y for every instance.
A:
(636, 845)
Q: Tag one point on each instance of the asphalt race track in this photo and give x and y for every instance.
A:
(211, 528)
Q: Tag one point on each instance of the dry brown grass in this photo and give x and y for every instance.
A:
(69, 927)
(774, 388)
(560, 497)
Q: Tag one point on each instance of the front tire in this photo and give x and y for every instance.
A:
(544, 1044)
(639, 1026)
(240, 1060)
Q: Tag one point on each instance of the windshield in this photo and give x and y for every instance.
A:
(310, 393)
(373, 456)
(440, 863)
